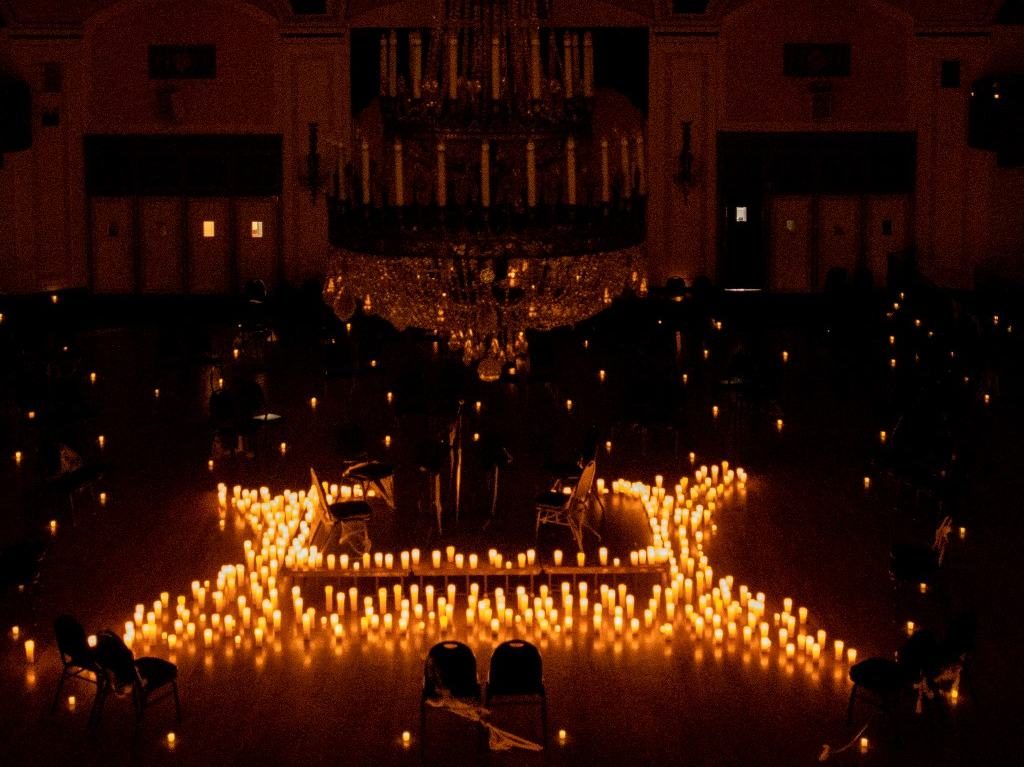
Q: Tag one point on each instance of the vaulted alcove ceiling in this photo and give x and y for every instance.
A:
(71, 12)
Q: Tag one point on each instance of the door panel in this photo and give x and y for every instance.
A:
(162, 265)
(838, 235)
(790, 270)
(208, 263)
(257, 256)
(887, 228)
(113, 247)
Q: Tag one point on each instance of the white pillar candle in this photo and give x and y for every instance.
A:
(570, 170)
(495, 67)
(588, 65)
(399, 176)
(567, 83)
(453, 65)
(534, 65)
(485, 174)
(531, 174)
(365, 167)
(442, 176)
(30, 651)
(393, 63)
(416, 62)
(627, 177)
(605, 179)
(641, 172)
(558, 557)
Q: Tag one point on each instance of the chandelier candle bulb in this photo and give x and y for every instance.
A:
(393, 63)
(605, 179)
(570, 165)
(485, 174)
(531, 174)
(534, 65)
(641, 171)
(588, 65)
(627, 178)
(452, 71)
(567, 83)
(399, 176)
(416, 63)
(364, 149)
(495, 67)
(383, 65)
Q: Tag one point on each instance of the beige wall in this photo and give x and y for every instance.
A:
(276, 74)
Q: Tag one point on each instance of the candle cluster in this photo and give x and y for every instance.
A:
(287, 590)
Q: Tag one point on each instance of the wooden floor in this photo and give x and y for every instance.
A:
(806, 528)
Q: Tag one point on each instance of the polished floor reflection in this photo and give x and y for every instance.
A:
(801, 400)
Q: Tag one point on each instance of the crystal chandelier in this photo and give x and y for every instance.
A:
(493, 207)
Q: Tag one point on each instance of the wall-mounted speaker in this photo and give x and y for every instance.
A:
(15, 114)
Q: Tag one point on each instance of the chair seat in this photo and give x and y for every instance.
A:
(156, 672)
(551, 499)
(372, 471)
(349, 510)
(879, 674)
(913, 563)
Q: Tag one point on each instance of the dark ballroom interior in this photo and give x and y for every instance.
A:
(511, 382)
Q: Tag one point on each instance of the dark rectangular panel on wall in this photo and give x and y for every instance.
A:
(816, 59)
(189, 166)
(818, 163)
(182, 62)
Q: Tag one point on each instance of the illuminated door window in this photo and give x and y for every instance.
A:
(209, 229)
(741, 214)
(257, 229)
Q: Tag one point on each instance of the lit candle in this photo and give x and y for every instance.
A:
(30, 651)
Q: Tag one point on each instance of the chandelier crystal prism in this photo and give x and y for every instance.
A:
(485, 204)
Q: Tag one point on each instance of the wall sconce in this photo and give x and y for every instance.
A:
(684, 173)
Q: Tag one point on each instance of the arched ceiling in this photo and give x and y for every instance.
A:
(607, 12)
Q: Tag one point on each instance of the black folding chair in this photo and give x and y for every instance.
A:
(141, 678)
(449, 673)
(77, 658)
(516, 676)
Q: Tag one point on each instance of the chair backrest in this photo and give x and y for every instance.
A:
(581, 492)
(72, 643)
(516, 669)
(116, 660)
(450, 670)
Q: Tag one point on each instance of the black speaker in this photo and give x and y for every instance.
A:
(995, 118)
(15, 114)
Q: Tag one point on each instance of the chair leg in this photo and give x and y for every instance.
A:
(97, 704)
(56, 695)
(849, 707)
(177, 702)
